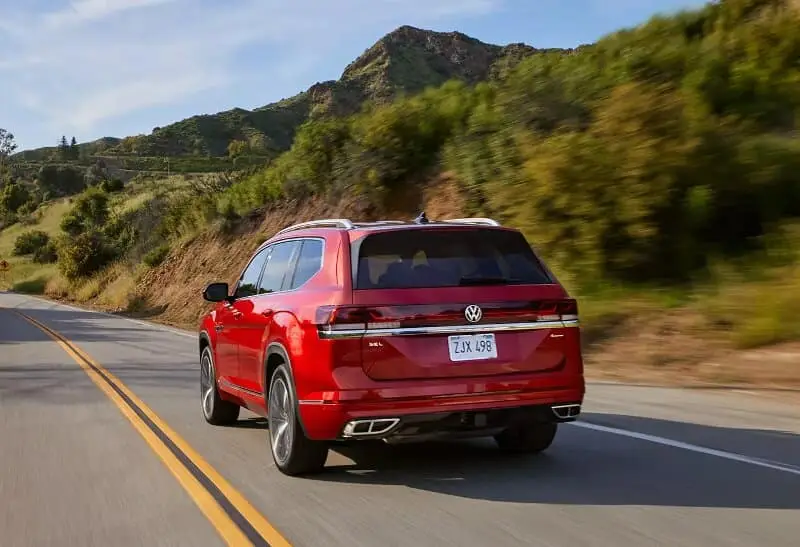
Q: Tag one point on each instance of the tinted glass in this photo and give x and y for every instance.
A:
(308, 263)
(248, 283)
(277, 266)
(446, 258)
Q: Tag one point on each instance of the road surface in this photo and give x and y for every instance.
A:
(102, 443)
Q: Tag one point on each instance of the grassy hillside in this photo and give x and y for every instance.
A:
(657, 171)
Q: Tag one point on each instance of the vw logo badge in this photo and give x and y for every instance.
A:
(473, 313)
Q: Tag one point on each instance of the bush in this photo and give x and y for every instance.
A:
(60, 180)
(89, 212)
(156, 256)
(47, 254)
(30, 242)
(83, 254)
(112, 185)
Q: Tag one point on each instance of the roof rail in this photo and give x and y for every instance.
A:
(325, 223)
(477, 220)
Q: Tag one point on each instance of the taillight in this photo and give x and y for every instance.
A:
(557, 310)
(344, 318)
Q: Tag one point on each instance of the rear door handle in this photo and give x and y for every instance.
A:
(268, 313)
(237, 314)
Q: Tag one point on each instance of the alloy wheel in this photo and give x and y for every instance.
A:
(207, 385)
(281, 421)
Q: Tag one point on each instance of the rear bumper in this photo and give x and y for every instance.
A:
(429, 415)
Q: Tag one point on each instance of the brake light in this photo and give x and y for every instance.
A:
(337, 318)
(557, 310)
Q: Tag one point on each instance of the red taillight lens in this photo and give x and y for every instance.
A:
(568, 309)
(340, 317)
(353, 317)
(557, 310)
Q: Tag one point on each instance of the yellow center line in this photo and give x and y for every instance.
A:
(230, 532)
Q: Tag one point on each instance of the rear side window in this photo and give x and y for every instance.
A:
(248, 283)
(434, 258)
(278, 266)
(308, 263)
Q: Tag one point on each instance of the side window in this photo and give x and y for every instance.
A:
(248, 283)
(308, 263)
(279, 261)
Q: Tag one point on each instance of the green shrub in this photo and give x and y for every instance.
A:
(89, 212)
(112, 185)
(30, 242)
(13, 197)
(83, 254)
(46, 254)
(156, 256)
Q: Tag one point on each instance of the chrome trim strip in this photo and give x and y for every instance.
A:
(313, 402)
(448, 329)
(240, 388)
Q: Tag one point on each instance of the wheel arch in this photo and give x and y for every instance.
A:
(204, 341)
(276, 355)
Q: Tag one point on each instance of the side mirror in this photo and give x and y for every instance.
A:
(216, 292)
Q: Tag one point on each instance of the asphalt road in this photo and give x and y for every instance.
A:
(646, 466)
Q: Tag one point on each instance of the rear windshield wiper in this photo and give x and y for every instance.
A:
(488, 281)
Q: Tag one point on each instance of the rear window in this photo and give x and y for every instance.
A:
(433, 258)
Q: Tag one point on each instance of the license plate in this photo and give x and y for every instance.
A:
(472, 347)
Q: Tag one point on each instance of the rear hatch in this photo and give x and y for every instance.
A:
(445, 302)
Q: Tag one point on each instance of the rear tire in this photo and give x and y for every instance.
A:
(293, 452)
(216, 410)
(531, 438)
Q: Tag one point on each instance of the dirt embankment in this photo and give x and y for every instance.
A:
(662, 347)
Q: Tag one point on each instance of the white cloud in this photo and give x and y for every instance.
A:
(91, 10)
(83, 63)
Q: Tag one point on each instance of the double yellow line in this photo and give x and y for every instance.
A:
(235, 519)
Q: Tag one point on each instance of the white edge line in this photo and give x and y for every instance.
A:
(155, 326)
(776, 466)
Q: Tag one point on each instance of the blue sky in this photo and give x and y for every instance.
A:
(94, 68)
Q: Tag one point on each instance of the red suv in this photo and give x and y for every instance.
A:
(393, 330)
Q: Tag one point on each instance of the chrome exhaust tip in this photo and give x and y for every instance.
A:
(369, 428)
(566, 412)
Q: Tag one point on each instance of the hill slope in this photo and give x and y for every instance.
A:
(85, 149)
(405, 61)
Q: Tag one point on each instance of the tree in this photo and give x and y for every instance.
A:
(74, 152)
(63, 148)
(7, 147)
(60, 180)
(7, 143)
(12, 197)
